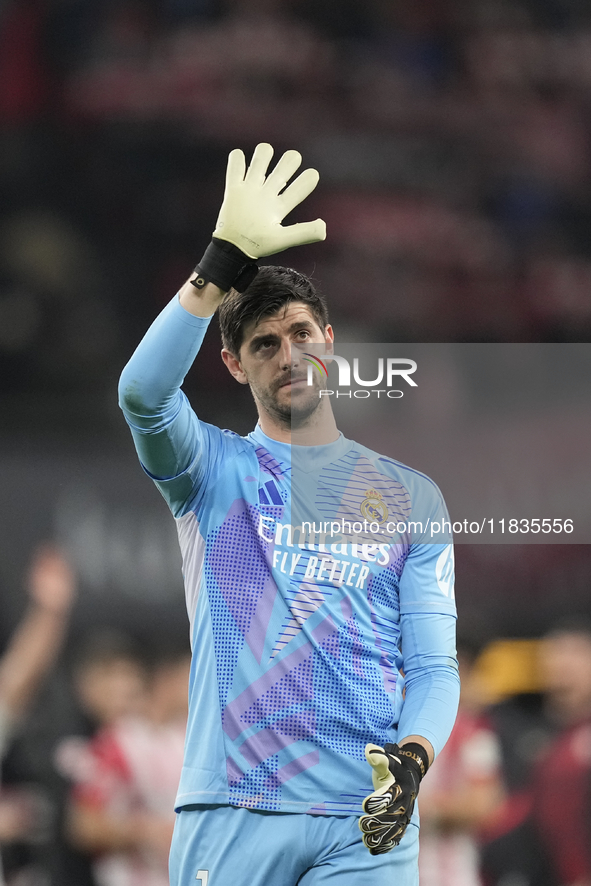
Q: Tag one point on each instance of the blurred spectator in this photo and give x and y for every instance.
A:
(562, 775)
(110, 678)
(462, 791)
(109, 682)
(23, 86)
(31, 652)
(543, 832)
(122, 804)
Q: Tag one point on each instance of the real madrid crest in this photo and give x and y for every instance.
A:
(373, 507)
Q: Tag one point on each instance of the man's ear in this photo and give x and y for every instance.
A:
(329, 338)
(234, 366)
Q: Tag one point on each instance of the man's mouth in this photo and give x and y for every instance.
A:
(293, 380)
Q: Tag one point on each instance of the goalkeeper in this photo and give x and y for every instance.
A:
(305, 744)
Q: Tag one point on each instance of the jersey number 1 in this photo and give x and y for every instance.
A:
(203, 876)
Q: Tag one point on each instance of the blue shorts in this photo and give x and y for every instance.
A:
(232, 846)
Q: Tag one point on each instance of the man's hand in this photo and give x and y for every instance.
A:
(34, 645)
(249, 226)
(51, 580)
(255, 203)
(396, 776)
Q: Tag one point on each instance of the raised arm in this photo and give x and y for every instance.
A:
(37, 640)
(165, 429)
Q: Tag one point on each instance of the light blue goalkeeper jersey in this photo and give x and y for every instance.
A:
(302, 615)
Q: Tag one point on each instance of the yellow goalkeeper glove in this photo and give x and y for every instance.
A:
(255, 203)
(249, 223)
(396, 775)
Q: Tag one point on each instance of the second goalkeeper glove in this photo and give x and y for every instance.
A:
(397, 773)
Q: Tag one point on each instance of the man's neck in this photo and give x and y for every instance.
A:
(319, 430)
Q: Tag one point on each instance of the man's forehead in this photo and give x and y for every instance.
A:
(284, 318)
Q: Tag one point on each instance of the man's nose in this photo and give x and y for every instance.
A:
(290, 356)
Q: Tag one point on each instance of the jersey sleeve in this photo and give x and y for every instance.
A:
(428, 630)
(174, 447)
(431, 680)
(427, 581)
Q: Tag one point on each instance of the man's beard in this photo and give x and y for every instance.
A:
(289, 414)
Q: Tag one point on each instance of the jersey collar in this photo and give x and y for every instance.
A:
(306, 458)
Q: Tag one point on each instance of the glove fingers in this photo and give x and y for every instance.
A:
(376, 831)
(380, 843)
(381, 850)
(369, 824)
(286, 166)
(393, 834)
(299, 190)
(378, 761)
(262, 156)
(298, 235)
(383, 800)
(373, 750)
(386, 836)
(236, 168)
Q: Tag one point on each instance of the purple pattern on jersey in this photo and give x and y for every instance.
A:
(244, 580)
(291, 769)
(233, 772)
(332, 645)
(263, 745)
(297, 726)
(355, 635)
(287, 683)
(269, 464)
(357, 648)
(398, 554)
(377, 587)
(388, 672)
(267, 742)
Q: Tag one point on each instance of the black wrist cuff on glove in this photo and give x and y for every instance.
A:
(416, 755)
(226, 266)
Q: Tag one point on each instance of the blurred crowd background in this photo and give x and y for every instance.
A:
(453, 140)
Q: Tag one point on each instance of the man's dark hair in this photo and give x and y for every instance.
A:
(271, 290)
